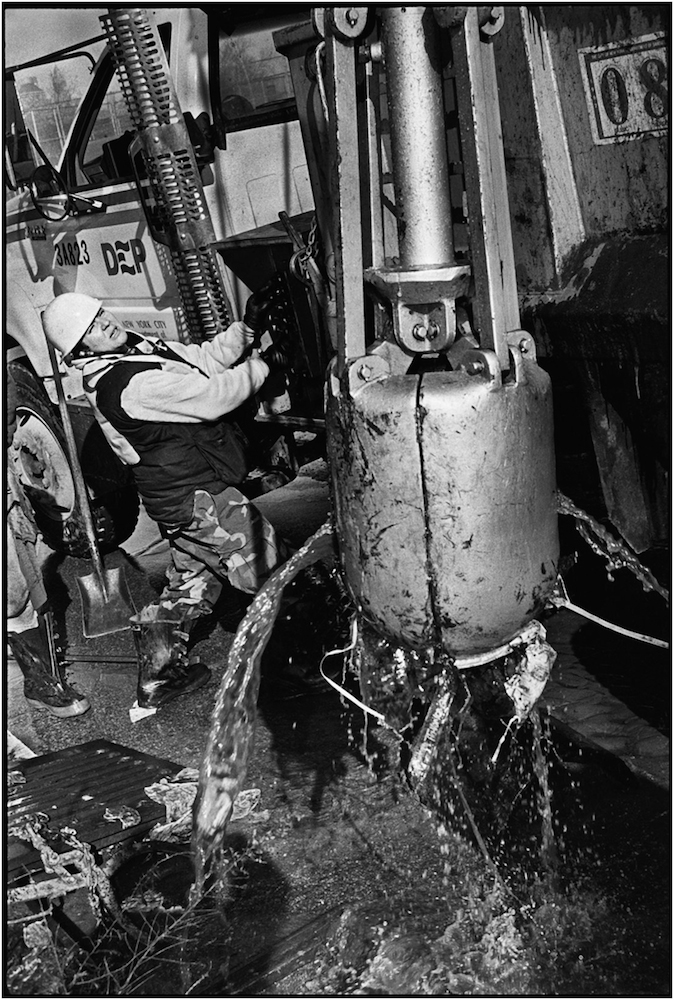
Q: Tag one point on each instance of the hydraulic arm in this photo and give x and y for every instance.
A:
(439, 418)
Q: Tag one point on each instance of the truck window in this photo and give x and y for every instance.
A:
(104, 157)
(46, 104)
(252, 78)
(19, 163)
(98, 152)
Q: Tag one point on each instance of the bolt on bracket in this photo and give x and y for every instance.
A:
(424, 316)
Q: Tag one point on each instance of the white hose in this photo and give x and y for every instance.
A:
(342, 691)
(561, 602)
(320, 49)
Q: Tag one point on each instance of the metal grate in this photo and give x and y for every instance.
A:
(197, 276)
(142, 67)
(74, 787)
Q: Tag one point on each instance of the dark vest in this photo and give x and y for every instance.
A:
(175, 458)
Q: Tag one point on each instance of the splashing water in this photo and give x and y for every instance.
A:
(225, 761)
(228, 747)
(615, 551)
(548, 852)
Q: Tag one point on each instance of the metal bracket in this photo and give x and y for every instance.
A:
(492, 20)
(363, 371)
(347, 23)
(496, 306)
(484, 363)
(424, 317)
(524, 342)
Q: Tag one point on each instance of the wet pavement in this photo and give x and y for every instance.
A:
(332, 839)
(179, 731)
(574, 696)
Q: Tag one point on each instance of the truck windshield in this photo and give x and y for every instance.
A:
(48, 97)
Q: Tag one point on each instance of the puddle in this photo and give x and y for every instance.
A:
(351, 886)
(544, 876)
(348, 883)
(419, 912)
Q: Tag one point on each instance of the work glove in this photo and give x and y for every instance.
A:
(258, 306)
(276, 358)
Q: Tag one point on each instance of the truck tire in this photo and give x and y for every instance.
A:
(41, 459)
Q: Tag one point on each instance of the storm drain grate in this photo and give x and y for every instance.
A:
(75, 787)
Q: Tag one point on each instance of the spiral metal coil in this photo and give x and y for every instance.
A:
(180, 218)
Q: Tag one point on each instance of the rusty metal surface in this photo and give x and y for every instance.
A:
(379, 509)
(74, 787)
(495, 304)
(622, 185)
(346, 198)
(611, 320)
(489, 466)
(556, 170)
(612, 284)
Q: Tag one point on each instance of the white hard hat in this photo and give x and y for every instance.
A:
(67, 318)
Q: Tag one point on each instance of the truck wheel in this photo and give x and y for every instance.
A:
(41, 460)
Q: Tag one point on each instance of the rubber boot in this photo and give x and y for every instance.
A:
(43, 685)
(164, 670)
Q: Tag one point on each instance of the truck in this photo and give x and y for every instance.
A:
(83, 221)
(578, 108)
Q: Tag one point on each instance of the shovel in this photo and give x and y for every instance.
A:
(106, 601)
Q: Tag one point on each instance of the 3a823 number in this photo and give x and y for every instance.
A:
(72, 254)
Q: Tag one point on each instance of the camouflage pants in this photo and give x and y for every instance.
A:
(227, 540)
(25, 553)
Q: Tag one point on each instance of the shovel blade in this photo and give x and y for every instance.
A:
(106, 604)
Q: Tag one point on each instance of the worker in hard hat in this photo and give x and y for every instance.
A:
(28, 615)
(167, 411)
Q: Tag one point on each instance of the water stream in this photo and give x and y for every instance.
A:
(615, 551)
(225, 762)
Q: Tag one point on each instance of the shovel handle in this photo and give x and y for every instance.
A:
(51, 642)
(78, 478)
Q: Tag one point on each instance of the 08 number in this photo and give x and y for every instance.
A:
(652, 74)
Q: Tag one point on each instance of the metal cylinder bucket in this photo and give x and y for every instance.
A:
(445, 508)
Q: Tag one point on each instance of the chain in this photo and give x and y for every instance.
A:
(313, 234)
(300, 259)
(309, 251)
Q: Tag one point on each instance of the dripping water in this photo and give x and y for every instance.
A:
(548, 852)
